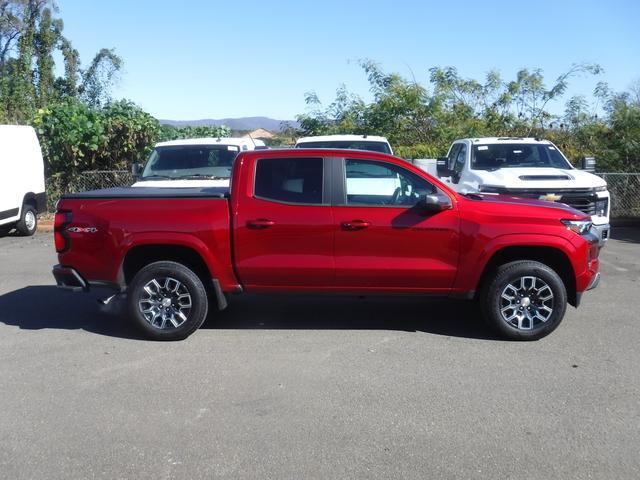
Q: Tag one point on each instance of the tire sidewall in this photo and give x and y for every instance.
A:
(190, 280)
(509, 274)
(22, 224)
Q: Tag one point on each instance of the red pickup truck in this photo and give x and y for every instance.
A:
(325, 221)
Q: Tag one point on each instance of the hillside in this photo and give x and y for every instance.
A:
(243, 123)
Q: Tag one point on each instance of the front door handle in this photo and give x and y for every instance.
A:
(260, 223)
(355, 225)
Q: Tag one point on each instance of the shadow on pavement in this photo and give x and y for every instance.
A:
(410, 314)
(626, 234)
(40, 307)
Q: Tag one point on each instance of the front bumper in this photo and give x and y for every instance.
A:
(602, 232)
(594, 283)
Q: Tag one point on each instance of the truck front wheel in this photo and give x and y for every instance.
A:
(525, 300)
(167, 301)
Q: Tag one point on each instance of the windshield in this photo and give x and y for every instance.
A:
(381, 147)
(190, 161)
(509, 155)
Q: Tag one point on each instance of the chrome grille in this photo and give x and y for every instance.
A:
(582, 199)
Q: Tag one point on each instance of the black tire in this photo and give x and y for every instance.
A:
(28, 223)
(522, 301)
(162, 327)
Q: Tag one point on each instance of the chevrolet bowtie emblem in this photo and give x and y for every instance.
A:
(550, 197)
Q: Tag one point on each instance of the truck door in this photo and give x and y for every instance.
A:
(384, 240)
(458, 163)
(283, 224)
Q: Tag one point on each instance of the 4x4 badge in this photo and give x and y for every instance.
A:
(82, 229)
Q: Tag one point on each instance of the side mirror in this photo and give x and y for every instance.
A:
(136, 169)
(442, 167)
(435, 202)
(588, 164)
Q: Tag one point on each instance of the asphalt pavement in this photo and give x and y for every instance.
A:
(303, 387)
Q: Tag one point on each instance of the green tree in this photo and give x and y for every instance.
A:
(76, 137)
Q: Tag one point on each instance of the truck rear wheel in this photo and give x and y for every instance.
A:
(525, 300)
(167, 301)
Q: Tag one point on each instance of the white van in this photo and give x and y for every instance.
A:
(354, 142)
(193, 162)
(22, 193)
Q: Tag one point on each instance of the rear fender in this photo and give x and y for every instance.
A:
(217, 261)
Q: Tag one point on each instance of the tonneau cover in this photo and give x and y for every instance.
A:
(151, 192)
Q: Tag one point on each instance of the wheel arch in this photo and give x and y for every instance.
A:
(138, 256)
(553, 257)
(30, 199)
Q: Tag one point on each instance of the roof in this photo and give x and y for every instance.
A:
(319, 152)
(490, 140)
(342, 138)
(259, 133)
(212, 141)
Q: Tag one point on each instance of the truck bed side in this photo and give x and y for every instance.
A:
(112, 224)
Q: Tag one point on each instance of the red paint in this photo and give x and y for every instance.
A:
(263, 245)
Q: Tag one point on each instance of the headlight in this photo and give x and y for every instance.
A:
(601, 206)
(603, 188)
(489, 189)
(579, 226)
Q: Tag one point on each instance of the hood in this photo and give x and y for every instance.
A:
(525, 202)
(543, 178)
(182, 183)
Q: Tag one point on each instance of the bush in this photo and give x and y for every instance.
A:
(422, 150)
(76, 137)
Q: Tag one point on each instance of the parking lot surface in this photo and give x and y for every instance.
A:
(303, 387)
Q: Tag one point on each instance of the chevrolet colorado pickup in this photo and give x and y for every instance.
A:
(325, 221)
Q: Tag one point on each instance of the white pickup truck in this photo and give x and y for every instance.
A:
(526, 167)
(193, 162)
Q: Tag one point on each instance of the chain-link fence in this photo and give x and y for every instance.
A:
(60, 184)
(625, 193)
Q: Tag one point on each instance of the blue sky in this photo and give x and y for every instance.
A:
(209, 59)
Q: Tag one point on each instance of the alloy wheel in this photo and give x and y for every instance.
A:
(526, 303)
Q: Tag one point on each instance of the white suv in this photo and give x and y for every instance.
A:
(526, 167)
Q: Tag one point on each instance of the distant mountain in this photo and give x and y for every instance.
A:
(243, 123)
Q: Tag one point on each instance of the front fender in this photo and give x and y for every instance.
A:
(473, 263)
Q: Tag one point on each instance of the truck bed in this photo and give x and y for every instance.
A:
(112, 223)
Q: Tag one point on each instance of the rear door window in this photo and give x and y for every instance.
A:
(290, 180)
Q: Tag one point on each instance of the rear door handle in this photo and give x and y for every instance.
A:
(260, 223)
(355, 225)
